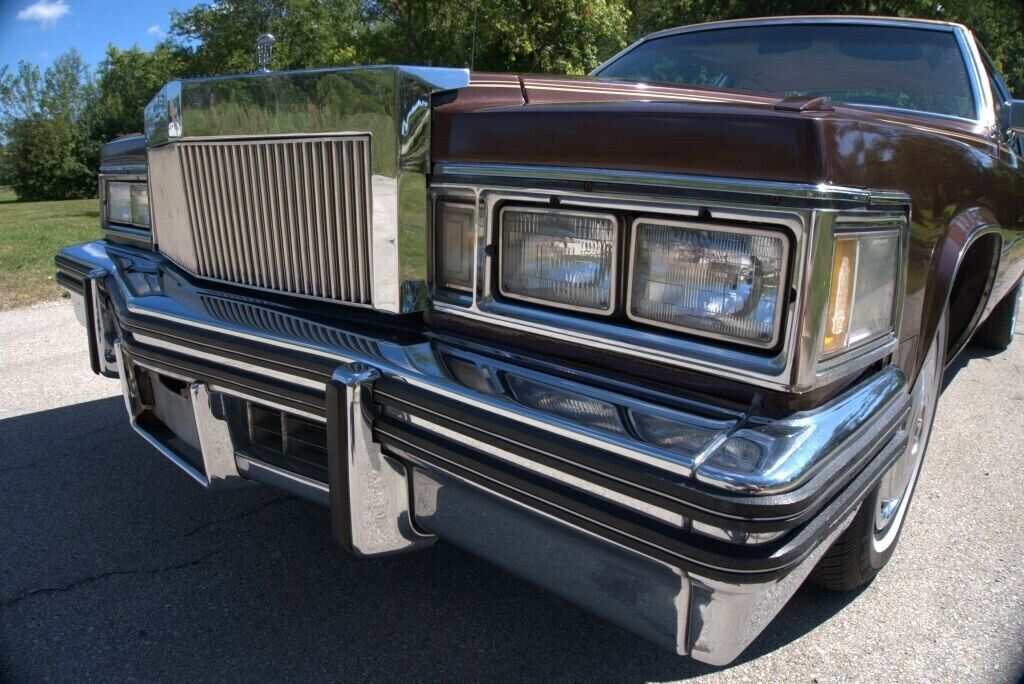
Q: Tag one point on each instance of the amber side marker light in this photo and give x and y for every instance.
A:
(861, 298)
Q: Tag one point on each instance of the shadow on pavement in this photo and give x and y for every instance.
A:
(115, 564)
(971, 352)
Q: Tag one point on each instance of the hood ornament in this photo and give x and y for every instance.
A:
(264, 52)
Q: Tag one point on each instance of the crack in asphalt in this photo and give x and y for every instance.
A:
(147, 571)
(244, 514)
(59, 589)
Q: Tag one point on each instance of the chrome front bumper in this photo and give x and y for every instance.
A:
(695, 543)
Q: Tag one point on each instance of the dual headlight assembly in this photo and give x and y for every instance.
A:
(128, 203)
(724, 282)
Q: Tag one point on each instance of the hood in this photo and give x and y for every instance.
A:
(589, 123)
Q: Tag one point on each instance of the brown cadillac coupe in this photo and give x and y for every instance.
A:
(667, 340)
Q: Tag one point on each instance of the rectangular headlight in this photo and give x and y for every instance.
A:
(119, 202)
(721, 282)
(565, 259)
(454, 246)
(128, 203)
(863, 290)
(140, 204)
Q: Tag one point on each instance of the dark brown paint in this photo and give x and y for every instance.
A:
(960, 180)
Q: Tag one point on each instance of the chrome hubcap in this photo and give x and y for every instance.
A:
(896, 485)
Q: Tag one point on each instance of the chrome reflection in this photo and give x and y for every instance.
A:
(685, 434)
(389, 104)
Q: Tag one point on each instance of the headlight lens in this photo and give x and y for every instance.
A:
(560, 258)
(119, 202)
(140, 204)
(862, 295)
(454, 246)
(128, 203)
(722, 282)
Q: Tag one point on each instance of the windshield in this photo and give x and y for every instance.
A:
(906, 68)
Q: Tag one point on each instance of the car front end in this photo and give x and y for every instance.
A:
(659, 393)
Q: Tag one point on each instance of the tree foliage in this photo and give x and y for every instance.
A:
(217, 38)
(48, 152)
(53, 122)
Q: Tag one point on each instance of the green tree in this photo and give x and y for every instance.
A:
(551, 36)
(48, 151)
(218, 38)
(126, 82)
(44, 160)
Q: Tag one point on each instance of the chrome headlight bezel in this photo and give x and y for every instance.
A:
(132, 182)
(781, 296)
(808, 216)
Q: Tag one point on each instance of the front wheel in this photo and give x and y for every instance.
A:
(870, 540)
(997, 331)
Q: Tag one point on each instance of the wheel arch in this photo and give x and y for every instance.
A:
(964, 267)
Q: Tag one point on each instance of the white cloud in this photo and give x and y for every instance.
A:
(46, 12)
(155, 30)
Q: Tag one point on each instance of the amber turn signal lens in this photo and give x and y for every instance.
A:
(840, 298)
(861, 302)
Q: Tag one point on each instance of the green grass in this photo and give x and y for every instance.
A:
(30, 234)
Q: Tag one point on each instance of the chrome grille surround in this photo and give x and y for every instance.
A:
(386, 107)
(283, 213)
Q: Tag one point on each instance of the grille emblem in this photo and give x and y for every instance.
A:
(264, 52)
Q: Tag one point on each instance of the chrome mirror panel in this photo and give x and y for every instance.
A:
(390, 104)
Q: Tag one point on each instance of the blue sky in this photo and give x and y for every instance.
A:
(40, 30)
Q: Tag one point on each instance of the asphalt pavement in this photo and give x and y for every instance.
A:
(114, 565)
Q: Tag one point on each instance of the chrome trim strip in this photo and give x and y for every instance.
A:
(629, 502)
(421, 464)
(450, 172)
(164, 345)
(293, 483)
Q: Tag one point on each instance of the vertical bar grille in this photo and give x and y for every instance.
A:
(285, 214)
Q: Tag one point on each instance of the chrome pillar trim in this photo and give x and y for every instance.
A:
(292, 483)
(135, 407)
(369, 490)
(726, 617)
(215, 441)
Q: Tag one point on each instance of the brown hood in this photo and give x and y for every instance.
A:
(589, 123)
